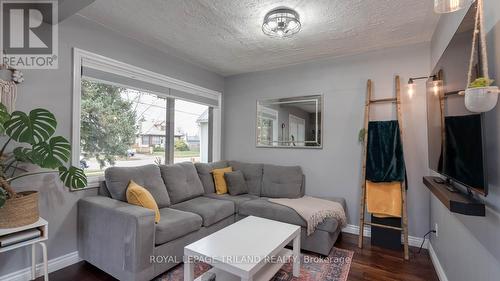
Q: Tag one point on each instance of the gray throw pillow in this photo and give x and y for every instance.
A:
(252, 173)
(236, 183)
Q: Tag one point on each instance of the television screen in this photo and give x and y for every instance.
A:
(456, 136)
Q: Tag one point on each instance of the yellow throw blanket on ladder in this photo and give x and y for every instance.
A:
(384, 199)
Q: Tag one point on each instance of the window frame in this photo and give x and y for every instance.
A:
(120, 68)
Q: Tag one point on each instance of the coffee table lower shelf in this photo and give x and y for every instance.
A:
(264, 274)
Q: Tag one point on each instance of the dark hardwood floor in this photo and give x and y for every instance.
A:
(375, 263)
(370, 263)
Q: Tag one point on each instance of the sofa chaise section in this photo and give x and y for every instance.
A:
(273, 181)
(321, 241)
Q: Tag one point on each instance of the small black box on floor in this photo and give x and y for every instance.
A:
(385, 237)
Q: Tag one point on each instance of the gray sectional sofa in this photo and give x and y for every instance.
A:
(124, 241)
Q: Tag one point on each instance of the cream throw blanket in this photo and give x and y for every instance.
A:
(314, 210)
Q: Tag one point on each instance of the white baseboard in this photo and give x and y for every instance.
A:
(437, 265)
(54, 264)
(412, 240)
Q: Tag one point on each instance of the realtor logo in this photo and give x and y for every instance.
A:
(29, 34)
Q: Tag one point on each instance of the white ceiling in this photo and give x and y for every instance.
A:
(225, 36)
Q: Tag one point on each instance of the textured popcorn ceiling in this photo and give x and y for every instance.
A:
(225, 36)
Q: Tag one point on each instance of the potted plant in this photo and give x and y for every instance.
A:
(480, 96)
(37, 145)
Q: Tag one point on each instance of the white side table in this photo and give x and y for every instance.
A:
(42, 225)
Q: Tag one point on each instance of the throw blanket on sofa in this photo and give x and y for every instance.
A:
(314, 210)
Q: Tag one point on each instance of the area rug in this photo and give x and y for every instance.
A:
(335, 267)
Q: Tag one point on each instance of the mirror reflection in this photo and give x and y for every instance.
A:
(289, 122)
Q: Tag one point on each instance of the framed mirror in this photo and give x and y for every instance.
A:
(294, 122)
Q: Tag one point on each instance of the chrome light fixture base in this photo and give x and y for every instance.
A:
(281, 23)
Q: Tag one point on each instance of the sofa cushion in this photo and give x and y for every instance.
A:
(205, 174)
(282, 181)
(182, 181)
(211, 210)
(174, 224)
(148, 176)
(252, 173)
(269, 210)
(237, 200)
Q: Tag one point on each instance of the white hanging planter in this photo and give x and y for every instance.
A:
(481, 99)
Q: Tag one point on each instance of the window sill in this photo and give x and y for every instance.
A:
(95, 181)
(92, 182)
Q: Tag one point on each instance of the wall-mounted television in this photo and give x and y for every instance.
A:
(455, 135)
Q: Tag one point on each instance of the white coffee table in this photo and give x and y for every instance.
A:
(251, 249)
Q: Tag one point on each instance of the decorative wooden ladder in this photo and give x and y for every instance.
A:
(362, 222)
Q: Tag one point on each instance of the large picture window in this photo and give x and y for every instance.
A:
(125, 119)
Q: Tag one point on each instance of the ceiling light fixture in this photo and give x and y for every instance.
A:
(281, 22)
(448, 6)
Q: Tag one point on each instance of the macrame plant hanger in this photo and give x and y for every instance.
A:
(8, 90)
(480, 96)
(479, 39)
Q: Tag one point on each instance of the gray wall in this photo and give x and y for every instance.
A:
(468, 248)
(52, 89)
(335, 170)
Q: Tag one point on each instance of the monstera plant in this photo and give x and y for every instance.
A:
(34, 134)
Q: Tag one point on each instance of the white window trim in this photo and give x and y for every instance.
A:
(120, 68)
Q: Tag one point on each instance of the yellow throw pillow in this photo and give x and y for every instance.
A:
(138, 195)
(219, 180)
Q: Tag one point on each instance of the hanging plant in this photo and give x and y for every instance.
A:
(34, 131)
(481, 83)
(480, 96)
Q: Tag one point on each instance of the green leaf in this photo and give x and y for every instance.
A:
(24, 154)
(3, 197)
(73, 177)
(4, 116)
(481, 82)
(54, 153)
(38, 127)
(361, 135)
